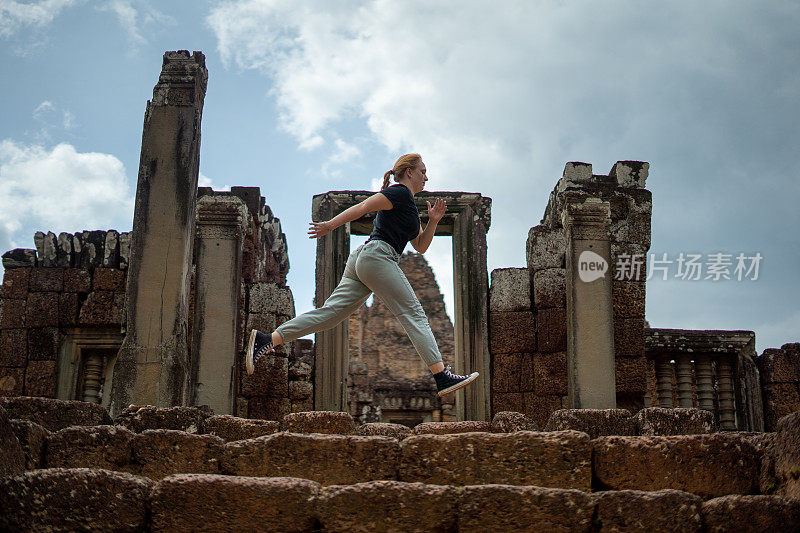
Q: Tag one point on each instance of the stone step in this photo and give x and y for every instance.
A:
(99, 500)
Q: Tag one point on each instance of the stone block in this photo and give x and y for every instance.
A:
(46, 280)
(594, 422)
(77, 280)
(539, 407)
(328, 422)
(209, 502)
(107, 447)
(512, 332)
(786, 450)
(629, 337)
(506, 372)
(53, 414)
(486, 508)
(510, 290)
(507, 401)
(68, 309)
(124, 250)
(780, 399)
(631, 375)
(32, 437)
(108, 279)
(12, 313)
(636, 510)
(111, 249)
(44, 344)
(12, 455)
(559, 459)
(268, 408)
(778, 366)
(707, 465)
(348, 459)
(141, 418)
(271, 298)
(231, 428)
(64, 250)
(678, 421)
(270, 379)
(12, 381)
(19, 258)
(628, 262)
(40, 379)
(630, 174)
(264, 322)
(751, 512)
(526, 379)
(102, 308)
(451, 428)
(510, 422)
(13, 347)
(545, 248)
(41, 309)
(388, 506)
(397, 431)
(302, 406)
(15, 283)
(550, 288)
(628, 299)
(550, 373)
(551, 330)
(158, 453)
(300, 390)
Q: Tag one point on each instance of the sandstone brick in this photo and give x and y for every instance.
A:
(559, 459)
(388, 506)
(707, 465)
(628, 299)
(678, 421)
(32, 437)
(271, 378)
(41, 309)
(231, 428)
(752, 512)
(787, 454)
(12, 381)
(44, 344)
(397, 431)
(594, 422)
(68, 309)
(545, 248)
(53, 414)
(107, 447)
(451, 428)
(12, 455)
(510, 422)
(13, 347)
(141, 418)
(508, 401)
(302, 406)
(268, 408)
(539, 407)
(661, 510)
(158, 453)
(328, 422)
(300, 390)
(506, 372)
(631, 375)
(108, 279)
(12, 313)
(510, 290)
(46, 280)
(77, 280)
(550, 373)
(77, 499)
(778, 366)
(264, 322)
(629, 261)
(629, 337)
(512, 332)
(507, 508)
(780, 399)
(551, 330)
(208, 502)
(40, 379)
(527, 382)
(549, 288)
(271, 298)
(15, 283)
(102, 308)
(348, 459)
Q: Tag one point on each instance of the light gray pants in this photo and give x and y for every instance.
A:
(372, 267)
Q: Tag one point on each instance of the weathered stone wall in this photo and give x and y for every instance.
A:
(67, 282)
(780, 382)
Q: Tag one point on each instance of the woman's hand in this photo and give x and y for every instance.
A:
(319, 229)
(436, 212)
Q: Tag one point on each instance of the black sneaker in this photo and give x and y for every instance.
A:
(259, 345)
(447, 382)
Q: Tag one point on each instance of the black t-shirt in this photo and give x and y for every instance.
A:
(400, 224)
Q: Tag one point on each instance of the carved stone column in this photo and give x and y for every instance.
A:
(727, 408)
(683, 375)
(220, 231)
(153, 364)
(705, 385)
(590, 319)
(664, 382)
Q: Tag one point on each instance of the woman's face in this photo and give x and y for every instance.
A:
(417, 176)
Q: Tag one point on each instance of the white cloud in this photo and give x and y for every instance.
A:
(205, 181)
(133, 15)
(16, 15)
(59, 189)
(345, 153)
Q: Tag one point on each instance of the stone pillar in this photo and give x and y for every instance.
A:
(220, 231)
(153, 364)
(590, 319)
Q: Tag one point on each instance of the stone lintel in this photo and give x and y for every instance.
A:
(661, 340)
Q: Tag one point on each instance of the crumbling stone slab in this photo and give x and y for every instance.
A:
(545, 248)
(636, 510)
(12, 381)
(510, 290)
(451, 428)
(752, 512)
(15, 282)
(102, 308)
(53, 414)
(551, 330)
(141, 418)
(19, 258)
(108, 279)
(231, 428)
(397, 431)
(326, 459)
(43, 344)
(271, 298)
(787, 454)
(678, 421)
(79, 499)
(271, 378)
(780, 365)
(77, 280)
(32, 437)
(513, 331)
(41, 309)
(387, 506)
(46, 280)
(12, 455)
(595, 422)
(40, 378)
(329, 422)
(631, 375)
(158, 453)
(510, 422)
(558, 459)
(107, 447)
(550, 288)
(268, 408)
(208, 502)
(707, 465)
(508, 508)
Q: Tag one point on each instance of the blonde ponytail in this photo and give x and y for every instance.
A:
(403, 163)
(386, 179)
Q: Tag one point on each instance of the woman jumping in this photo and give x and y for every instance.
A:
(373, 267)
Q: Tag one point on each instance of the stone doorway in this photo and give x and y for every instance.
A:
(467, 221)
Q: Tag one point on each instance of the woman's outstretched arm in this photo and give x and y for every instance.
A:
(376, 202)
(435, 214)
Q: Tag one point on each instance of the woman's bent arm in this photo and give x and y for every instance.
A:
(376, 202)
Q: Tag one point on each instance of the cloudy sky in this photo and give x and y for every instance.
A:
(310, 96)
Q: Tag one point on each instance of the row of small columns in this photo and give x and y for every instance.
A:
(705, 384)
